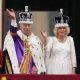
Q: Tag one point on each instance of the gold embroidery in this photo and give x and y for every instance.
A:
(25, 63)
(8, 65)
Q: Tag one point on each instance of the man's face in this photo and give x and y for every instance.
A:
(25, 28)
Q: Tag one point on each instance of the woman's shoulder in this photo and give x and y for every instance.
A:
(70, 37)
(50, 37)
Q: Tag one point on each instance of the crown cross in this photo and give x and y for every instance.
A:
(61, 13)
(26, 8)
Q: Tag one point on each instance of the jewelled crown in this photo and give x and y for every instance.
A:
(25, 17)
(61, 20)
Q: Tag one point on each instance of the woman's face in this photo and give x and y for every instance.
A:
(61, 31)
(25, 28)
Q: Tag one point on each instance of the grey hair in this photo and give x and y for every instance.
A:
(55, 31)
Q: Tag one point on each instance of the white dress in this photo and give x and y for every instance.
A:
(60, 57)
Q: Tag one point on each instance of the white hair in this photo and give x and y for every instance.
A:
(55, 30)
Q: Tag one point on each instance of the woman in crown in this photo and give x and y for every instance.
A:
(60, 57)
(22, 49)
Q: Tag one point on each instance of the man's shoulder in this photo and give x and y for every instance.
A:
(35, 36)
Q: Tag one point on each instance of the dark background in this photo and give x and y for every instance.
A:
(71, 8)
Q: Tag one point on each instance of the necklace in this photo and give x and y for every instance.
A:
(62, 40)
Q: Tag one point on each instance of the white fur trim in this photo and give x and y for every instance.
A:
(27, 22)
(61, 25)
(9, 45)
(35, 47)
(13, 23)
(34, 41)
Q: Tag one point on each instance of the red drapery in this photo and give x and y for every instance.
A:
(0, 57)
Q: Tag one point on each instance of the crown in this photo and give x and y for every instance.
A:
(61, 20)
(25, 17)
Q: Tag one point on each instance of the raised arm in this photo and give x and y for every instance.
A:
(44, 34)
(11, 13)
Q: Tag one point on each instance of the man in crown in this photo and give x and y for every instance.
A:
(22, 49)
